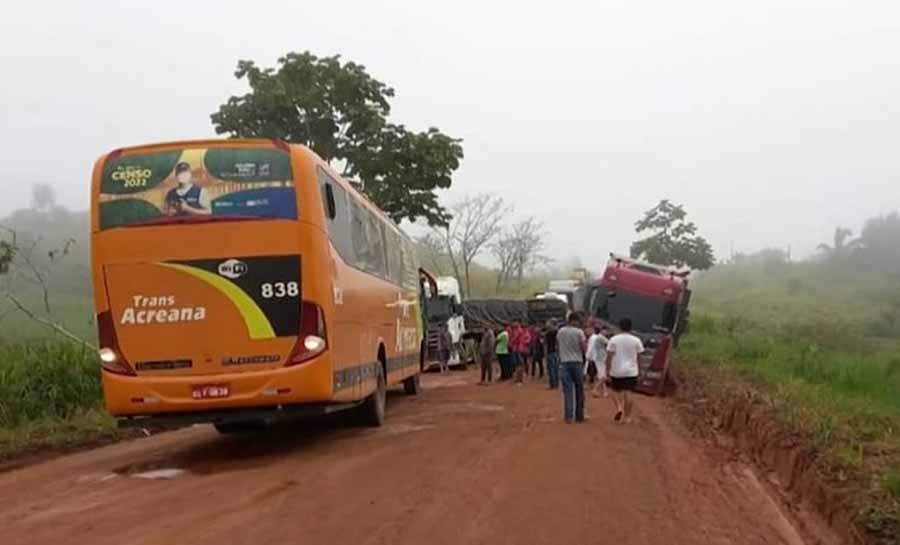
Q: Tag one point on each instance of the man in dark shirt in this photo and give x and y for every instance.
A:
(537, 353)
(488, 345)
(552, 354)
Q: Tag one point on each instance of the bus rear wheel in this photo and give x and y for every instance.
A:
(371, 411)
(412, 385)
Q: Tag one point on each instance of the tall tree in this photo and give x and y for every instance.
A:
(340, 111)
(433, 254)
(842, 244)
(475, 224)
(880, 240)
(672, 240)
(518, 249)
(43, 197)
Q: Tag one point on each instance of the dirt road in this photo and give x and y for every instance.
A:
(458, 464)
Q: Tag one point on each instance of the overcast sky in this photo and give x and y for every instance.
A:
(772, 121)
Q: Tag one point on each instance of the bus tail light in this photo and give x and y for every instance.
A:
(312, 339)
(111, 357)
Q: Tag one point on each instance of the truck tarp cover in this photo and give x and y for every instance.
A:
(542, 310)
(489, 313)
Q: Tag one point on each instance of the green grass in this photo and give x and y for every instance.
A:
(892, 483)
(860, 300)
(840, 391)
(821, 343)
(47, 379)
(50, 396)
(82, 427)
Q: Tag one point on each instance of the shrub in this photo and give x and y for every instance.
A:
(44, 379)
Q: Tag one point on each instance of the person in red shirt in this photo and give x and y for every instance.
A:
(520, 341)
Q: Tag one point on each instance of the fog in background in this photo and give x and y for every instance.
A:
(771, 121)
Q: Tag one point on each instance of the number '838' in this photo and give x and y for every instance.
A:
(280, 289)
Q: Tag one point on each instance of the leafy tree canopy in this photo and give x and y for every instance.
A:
(672, 240)
(340, 111)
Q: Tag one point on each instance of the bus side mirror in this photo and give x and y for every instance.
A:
(331, 209)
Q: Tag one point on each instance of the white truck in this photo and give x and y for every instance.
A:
(567, 288)
(442, 311)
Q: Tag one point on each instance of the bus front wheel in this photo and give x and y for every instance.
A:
(371, 411)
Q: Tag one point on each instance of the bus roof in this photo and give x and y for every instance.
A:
(260, 142)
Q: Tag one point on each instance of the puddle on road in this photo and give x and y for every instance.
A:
(399, 429)
(469, 407)
(165, 474)
(97, 477)
(451, 383)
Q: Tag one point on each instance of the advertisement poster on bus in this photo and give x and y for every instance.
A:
(152, 187)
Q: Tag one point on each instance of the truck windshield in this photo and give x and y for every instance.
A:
(645, 312)
(438, 309)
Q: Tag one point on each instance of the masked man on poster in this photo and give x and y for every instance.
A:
(187, 198)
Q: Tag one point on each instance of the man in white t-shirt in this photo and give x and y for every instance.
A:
(622, 368)
(596, 353)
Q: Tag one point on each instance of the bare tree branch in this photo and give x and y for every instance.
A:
(21, 265)
(518, 249)
(52, 325)
(475, 224)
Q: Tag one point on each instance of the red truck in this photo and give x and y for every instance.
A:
(656, 299)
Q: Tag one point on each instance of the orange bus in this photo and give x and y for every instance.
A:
(239, 282)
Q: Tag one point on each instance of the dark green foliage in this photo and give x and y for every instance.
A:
(340, 112)
(673, 239)
(892, 483)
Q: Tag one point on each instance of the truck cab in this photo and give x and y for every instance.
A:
(656, 300)
(444, 310)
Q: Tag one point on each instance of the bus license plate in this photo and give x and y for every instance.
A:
(210, 391)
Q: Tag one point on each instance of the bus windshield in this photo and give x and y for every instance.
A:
(195, 185)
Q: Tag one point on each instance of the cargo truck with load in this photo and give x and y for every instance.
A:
(483, 314)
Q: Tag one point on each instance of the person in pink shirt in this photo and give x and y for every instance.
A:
(520, 341)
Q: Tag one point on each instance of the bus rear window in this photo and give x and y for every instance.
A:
(176, 186)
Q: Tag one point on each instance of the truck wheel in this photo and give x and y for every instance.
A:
(412, 386)
(371, 412)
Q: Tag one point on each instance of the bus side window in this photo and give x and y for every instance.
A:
(358, 235)
(410, 265)
(395, 259)
(339, 225)
(375, 237)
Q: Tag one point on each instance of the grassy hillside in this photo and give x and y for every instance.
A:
(859, 299)
(820, 342)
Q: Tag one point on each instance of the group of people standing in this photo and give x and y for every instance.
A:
(572, 352)
(514, 347)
